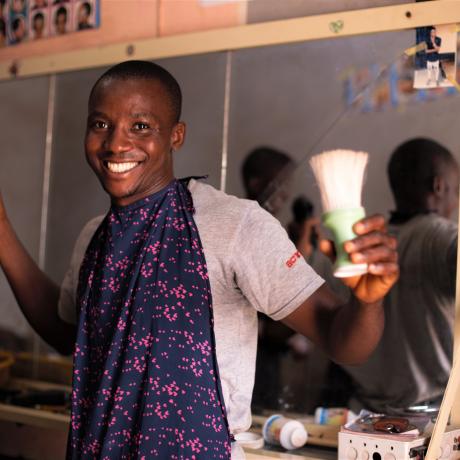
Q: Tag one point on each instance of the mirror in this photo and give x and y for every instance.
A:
(296, 98)
(354, 93)
(23, 114)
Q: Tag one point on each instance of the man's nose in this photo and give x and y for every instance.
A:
(117, 140)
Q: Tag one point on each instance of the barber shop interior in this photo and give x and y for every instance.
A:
(229, 230)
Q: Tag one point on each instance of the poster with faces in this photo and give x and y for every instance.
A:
(3, 21)
(86, 14)
(38, 22)
(17, 24)
(38, 4)
(31, 20)
(61, 18)
(74, 16)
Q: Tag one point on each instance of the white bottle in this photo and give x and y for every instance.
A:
(284, 432)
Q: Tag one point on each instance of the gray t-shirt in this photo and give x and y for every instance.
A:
(413, 360)
(252, 266)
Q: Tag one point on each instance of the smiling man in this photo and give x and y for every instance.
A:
(160, 300)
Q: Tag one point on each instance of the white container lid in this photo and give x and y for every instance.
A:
(250, 440)
(293, 435)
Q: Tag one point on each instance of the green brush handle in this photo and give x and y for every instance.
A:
(340, 223)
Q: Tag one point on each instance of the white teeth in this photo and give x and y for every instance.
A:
(121, 167)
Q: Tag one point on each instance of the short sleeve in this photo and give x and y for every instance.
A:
(269, 270)
(67, 308)
(442, 261)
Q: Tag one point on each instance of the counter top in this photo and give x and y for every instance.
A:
(306, 453)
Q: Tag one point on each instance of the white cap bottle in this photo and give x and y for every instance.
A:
(285, 432)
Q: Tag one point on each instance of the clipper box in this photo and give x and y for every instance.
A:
(361, 446)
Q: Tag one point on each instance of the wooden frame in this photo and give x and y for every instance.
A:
(341, 24)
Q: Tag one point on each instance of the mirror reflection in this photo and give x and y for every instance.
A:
(370, 105)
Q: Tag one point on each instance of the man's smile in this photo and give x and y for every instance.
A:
(120, 167)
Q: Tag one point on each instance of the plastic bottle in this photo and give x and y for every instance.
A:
(284, 432)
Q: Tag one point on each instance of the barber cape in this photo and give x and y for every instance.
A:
(146, 383)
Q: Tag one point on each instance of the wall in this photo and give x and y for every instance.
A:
(125, 20)
(23, 117)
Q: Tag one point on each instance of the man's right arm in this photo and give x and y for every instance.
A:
(36, 294)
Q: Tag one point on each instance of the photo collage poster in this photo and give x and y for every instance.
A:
(29, 20)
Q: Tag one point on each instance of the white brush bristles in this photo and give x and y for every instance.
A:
(340, 176)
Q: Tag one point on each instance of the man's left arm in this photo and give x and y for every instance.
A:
(349, 333)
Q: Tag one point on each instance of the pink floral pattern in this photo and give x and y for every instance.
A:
(146, 383)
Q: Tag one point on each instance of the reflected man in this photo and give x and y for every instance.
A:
(411, 365)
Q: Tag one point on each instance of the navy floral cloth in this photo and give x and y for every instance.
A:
(146, 383)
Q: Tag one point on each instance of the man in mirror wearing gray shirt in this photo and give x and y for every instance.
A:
(411, 364)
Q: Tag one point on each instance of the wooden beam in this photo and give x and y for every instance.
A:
(333, 25)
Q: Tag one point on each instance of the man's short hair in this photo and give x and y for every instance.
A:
(15, 24)
(38, 16)
(264, 163)
(144, 70)
(61, 11)
(87, 8)
(413, 167)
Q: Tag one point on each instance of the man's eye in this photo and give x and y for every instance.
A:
(141, 126)
(98, 124)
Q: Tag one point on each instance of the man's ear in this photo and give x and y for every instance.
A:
(439, 185)
(254, 187)
(178, 135)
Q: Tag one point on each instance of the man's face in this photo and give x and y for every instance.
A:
(432, 34)
(130, 137)
(39, 25)
(61, 21)
(18, 6)
(20, 32)
(82, 15)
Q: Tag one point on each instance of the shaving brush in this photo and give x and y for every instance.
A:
(340, 176)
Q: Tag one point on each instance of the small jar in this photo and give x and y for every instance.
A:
(284, 432)
(333, 415)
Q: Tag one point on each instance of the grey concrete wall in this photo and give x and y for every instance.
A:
(271, 10)
(23, 114)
